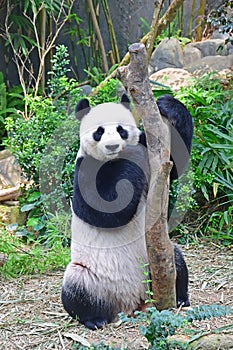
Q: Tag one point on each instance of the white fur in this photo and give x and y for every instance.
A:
(106, 115)
(107, 262)
(97, 149)
(112, 260)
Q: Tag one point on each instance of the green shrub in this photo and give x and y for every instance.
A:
(159, 326)
(211, 106)
(27, 138)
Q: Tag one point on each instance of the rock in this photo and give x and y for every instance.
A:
(3, 259)
(191, 54)
(86, 90)
(11, 215)
(213, 342)
(211, 64)
(175, 78)
(10, 177)
(209, 47)
(11, 193)
(167, 54)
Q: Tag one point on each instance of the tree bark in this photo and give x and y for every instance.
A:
(201, 13)
(160, 249)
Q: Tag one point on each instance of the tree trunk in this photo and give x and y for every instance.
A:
(160, 249)
(201, 13)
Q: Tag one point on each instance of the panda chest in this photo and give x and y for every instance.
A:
(107, 194)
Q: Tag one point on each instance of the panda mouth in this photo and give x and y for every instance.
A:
(112, 154)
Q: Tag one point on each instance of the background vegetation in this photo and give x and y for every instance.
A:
(38, 126)
(42, 131)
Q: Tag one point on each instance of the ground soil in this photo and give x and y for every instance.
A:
(32, 317)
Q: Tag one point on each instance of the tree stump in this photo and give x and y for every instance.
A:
(160, 249)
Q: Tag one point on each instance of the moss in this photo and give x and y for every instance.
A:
(11, 215)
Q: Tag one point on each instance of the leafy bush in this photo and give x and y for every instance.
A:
(107, 93)
(212, 156)
(27, 138)
(159, 326)
(222, 18)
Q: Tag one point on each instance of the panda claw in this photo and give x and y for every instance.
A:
(95, 324)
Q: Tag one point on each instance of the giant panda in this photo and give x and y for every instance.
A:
(108, 249)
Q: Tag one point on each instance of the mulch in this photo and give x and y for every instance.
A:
(32, 316)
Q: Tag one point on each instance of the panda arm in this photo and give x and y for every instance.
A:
(142, 139)
(179, 116)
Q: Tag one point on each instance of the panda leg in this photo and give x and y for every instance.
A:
(81, 305)
(181, 278)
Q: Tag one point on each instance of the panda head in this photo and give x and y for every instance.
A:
(106, 129)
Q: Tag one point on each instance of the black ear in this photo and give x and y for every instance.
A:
(82, 108)
(125, 101)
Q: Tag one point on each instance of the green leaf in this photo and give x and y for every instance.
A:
(221, 146)
(28, 207)
(215, 189)
(204, 191)
(34, 196)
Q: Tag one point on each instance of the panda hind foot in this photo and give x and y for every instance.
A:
(183, 303)
(95, 323)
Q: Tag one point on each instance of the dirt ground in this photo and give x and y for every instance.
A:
(32, 317)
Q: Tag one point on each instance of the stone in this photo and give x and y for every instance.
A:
(9, 170)
(211, 64)
(11, 215)
(191, 54)
(175, 78)
(213, 342)
(167, 54)
(86, 90)
(210, 47)
(10, 177)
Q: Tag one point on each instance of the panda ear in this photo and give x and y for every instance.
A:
(82, 108)
(125, 101)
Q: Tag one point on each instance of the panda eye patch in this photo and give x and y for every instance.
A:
(123, 133)
(98, 133)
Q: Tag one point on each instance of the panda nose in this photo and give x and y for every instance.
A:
(112, 147)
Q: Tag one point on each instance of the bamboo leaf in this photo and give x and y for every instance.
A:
(215, 188)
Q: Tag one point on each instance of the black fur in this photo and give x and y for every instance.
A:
(90, 311)
(82, 108)
(181, 132)
(98, 134)
(125, 101)
(181, 278)
(122, 132)
(132, 165)
(106, 176)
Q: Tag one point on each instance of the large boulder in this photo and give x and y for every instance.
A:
(191, 54)
(167, 54)
(211, 47)
(211, 64)
(175, 78)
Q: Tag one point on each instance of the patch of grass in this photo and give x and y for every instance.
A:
(24, 259)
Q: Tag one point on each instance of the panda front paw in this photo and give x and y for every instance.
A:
(94, 324)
